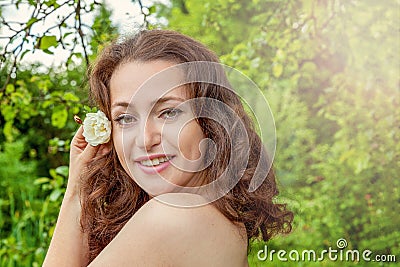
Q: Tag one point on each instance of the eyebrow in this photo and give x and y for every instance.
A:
(120, 104)
(155, 102)
(166, 99)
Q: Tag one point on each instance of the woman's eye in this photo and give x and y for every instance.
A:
(170, 113)
(125, 119)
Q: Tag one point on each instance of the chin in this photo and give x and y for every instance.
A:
(156, 188)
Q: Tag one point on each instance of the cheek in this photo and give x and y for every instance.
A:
(120, 148)
(189, 141)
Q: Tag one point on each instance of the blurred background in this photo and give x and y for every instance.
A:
(330, 70)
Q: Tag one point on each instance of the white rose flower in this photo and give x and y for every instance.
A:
(96, 128)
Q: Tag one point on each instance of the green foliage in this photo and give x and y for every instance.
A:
(330, 71)
(26, 215)
(219, 24)
(103, 31)
(37, 108)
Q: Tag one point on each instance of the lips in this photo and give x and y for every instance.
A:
(154, 163)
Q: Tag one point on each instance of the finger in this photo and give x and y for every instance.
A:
(104, 149)
(78, 137)
(89, 153)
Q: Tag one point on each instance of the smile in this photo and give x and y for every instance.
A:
(156, 161)
(154, 164)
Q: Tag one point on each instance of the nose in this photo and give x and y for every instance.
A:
(149, 135)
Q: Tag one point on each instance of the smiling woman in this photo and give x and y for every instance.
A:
(174, 140)
(146, 133)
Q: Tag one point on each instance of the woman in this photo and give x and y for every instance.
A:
(165, 149)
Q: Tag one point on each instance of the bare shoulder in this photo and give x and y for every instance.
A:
(204, 221)
(167, 235)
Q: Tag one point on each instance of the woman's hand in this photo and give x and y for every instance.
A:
(81, 154)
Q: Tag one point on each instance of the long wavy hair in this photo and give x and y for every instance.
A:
(110, 197)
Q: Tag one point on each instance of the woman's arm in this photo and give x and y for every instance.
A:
(68, 244)
(67, 247)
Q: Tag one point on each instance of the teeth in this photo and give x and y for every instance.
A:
(154, 162)
(146, 162)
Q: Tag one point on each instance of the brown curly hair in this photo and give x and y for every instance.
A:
(109, 195)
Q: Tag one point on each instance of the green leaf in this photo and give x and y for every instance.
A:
(47, 42)
(59, 117)
(41, 180)
(70, 97)
(30, 22)
(47, 103)
(24, 53)
(50, 3)
(75, 110)
(8, 113)
(62, 170)
(9, 131)
(53, 173)
(55, 194)
(152, 10)
(66, 35)
(47, 51)
(10, 88)
(88, 109)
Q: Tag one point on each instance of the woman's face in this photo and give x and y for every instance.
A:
(155, 134)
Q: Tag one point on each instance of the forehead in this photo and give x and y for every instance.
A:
(135, 82)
